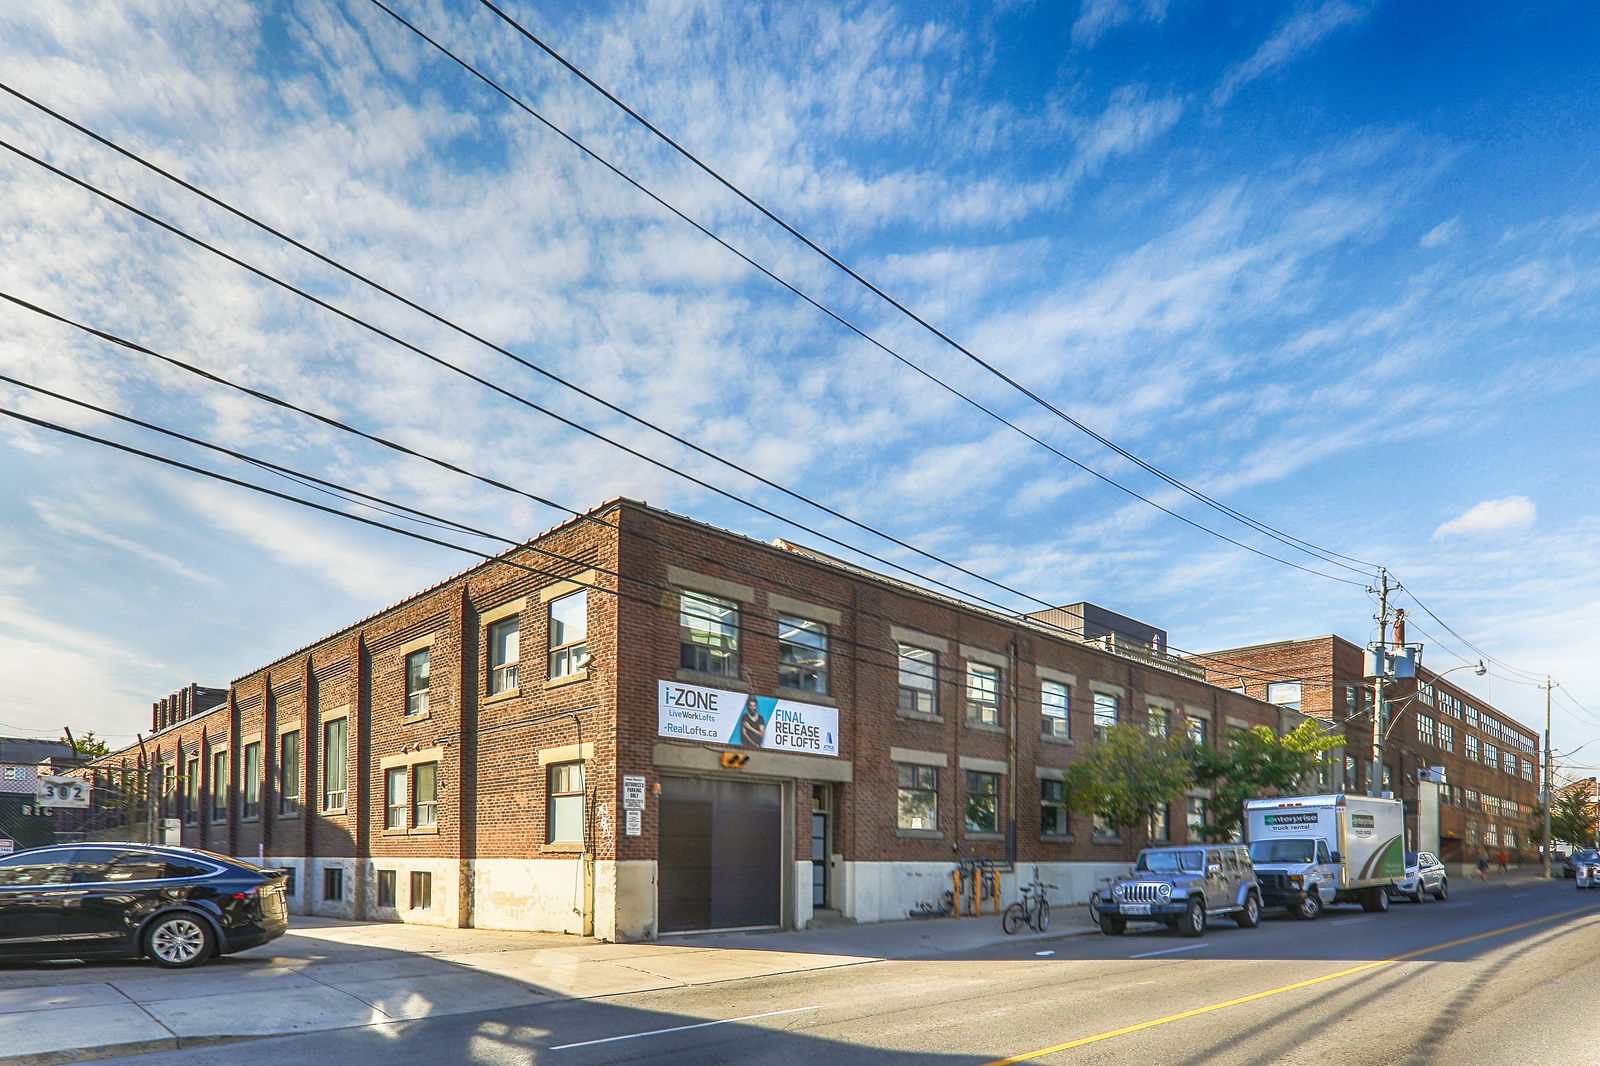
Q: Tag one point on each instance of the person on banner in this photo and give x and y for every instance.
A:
(752, 730)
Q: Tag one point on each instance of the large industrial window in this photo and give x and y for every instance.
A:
(983, 802)
(565, 816)
(802, 654)
(708, 628)
(1052, 808)
(918, 797)
(918, 673)
(1054, 703)
(983, 694)
(1106, 707)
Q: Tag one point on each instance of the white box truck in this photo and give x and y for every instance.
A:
(1311, 851)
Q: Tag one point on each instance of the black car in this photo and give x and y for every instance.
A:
(179, 906)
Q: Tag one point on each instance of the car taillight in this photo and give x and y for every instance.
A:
(245, 894)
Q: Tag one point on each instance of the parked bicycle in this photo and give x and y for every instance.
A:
(1032, 910)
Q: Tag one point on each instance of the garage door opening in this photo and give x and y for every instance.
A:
(720, 855)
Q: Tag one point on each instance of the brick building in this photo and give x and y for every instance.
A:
(1488, 799)
(543, 741)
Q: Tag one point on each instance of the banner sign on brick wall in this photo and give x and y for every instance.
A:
(718, 716)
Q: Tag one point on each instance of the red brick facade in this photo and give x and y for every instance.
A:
(492, 855)
(1477, 804)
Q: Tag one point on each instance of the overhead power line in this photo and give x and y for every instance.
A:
(1277, 534)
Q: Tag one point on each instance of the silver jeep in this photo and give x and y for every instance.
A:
(1183, 887)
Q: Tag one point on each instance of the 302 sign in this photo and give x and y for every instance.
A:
(62, 792)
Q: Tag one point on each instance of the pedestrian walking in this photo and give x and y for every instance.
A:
(1502, 857)
(1483, 868)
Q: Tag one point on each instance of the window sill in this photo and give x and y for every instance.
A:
(919, 834)
(984, 834)
(420, 831)
(291, 816)
(726, 681)
(984, 727)
(565, 847)
(500, 697)
(920, 716)
(805, 695)
(568, 679)
(1051, 738)
(1064, 839)
(335, 810)
(407, 719)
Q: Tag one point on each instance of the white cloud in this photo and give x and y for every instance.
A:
(1293, 39)
(1490, 516)
(1443, 233)
(1099, 16)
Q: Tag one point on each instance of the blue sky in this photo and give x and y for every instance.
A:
(1334, 264)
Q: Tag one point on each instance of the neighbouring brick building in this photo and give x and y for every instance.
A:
(544, 741)
(1488, 800)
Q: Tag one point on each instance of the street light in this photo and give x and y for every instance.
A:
(1424, 774)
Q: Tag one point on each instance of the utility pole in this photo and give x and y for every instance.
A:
(1549, 796)
(1375, 774)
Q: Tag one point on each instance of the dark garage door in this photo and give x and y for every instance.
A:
(719, 854)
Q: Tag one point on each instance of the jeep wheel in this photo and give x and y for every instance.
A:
(1310, 908)
(1111, 926)
(1193, 922)
(1442, 893)
(1250, 917)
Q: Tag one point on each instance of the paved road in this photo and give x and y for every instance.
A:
(1502, 974)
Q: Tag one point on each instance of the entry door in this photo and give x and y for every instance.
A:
(720, 854)
(819, 859)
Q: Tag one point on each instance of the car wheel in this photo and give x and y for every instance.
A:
(1310, 908)
(179, 940)
(1193, 922)
(1442, 893)
(1111, 926)
(1250, 917)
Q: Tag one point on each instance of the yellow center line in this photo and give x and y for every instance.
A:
(1125, 1030)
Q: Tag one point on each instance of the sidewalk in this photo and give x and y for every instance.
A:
(332, 974)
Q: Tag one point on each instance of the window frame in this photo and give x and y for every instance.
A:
(1053, 803)
(1105, 702)
(290, 773)
(341, 725)
(983, 694)
(1047, 707)
(250, 782)
(803, 665)
(720, 621)
(504, 670)
(568, 657)
(924, 668)
(425, 812)
(985, 798)
(914, 781)
(219, 785)
(396, 798)
(418, 683)
(560, 796)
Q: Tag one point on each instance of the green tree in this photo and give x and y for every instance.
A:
(1572, 818)
(1129, 774)
(89, 746)
(1256, 762)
